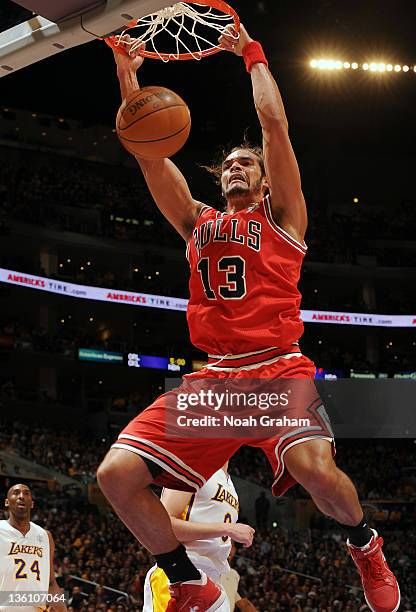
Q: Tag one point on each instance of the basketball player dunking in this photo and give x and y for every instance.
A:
(244, 311)
(26, 557)
(206, 523)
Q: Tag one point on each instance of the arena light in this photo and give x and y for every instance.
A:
(329, 64)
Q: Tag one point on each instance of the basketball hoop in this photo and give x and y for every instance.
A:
(191, 29)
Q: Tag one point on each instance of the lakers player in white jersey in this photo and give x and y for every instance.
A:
(206, 523)
(26, 557)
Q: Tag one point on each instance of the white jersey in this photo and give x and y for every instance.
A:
(24, 562)
(215, 502)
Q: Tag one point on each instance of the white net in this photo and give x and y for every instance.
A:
(180, 31)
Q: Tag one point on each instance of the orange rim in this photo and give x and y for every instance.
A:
(217, 4)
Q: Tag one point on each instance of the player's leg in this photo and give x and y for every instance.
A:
(154, 448)
(312, 465)
(305, 454)
(124, 478)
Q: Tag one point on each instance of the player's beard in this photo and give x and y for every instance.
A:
(240, 190)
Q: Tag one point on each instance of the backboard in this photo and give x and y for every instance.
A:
(55, 28)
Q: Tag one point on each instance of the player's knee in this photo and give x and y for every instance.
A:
(312, 465)
(121, 472)
(322, 480)
(107, 474)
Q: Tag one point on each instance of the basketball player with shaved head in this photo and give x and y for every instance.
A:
(244, 311)
(26, 558)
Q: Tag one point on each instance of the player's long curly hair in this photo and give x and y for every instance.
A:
(215, 169)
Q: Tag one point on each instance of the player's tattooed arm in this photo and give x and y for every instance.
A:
(288, 203)
(165, 181)
(54, 588)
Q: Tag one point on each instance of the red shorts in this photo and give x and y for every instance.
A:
(187, 462)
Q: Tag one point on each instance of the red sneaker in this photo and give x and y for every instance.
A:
(381, 590)
(195, 596)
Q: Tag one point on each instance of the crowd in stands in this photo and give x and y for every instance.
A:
(99, 564)
(73, 196)
(76, 196)
(63, 450)
(381, 469)
(326, 580)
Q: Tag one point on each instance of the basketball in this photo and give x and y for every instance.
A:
(153, 123)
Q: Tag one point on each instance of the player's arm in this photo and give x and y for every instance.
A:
(282, 171)
(166, 183)
(54, 588)
(176, 502)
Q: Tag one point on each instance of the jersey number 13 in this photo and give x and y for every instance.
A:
(234, 268)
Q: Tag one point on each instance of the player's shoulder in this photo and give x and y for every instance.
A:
(206, 211)
(37, 528)
(5, 525)
(285, 235)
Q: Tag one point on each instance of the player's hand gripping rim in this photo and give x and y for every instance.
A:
(233, 41)
(124, 56)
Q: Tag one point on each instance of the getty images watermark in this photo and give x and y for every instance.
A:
(219, 402)
(244, 408)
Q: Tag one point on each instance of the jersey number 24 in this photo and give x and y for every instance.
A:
(21, 574)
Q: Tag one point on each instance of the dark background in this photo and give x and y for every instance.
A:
(343, 124)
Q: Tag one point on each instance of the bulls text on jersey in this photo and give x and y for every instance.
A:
(212, 231)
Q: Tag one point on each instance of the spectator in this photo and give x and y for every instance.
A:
(262, 506)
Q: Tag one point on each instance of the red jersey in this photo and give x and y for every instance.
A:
(243, 286)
